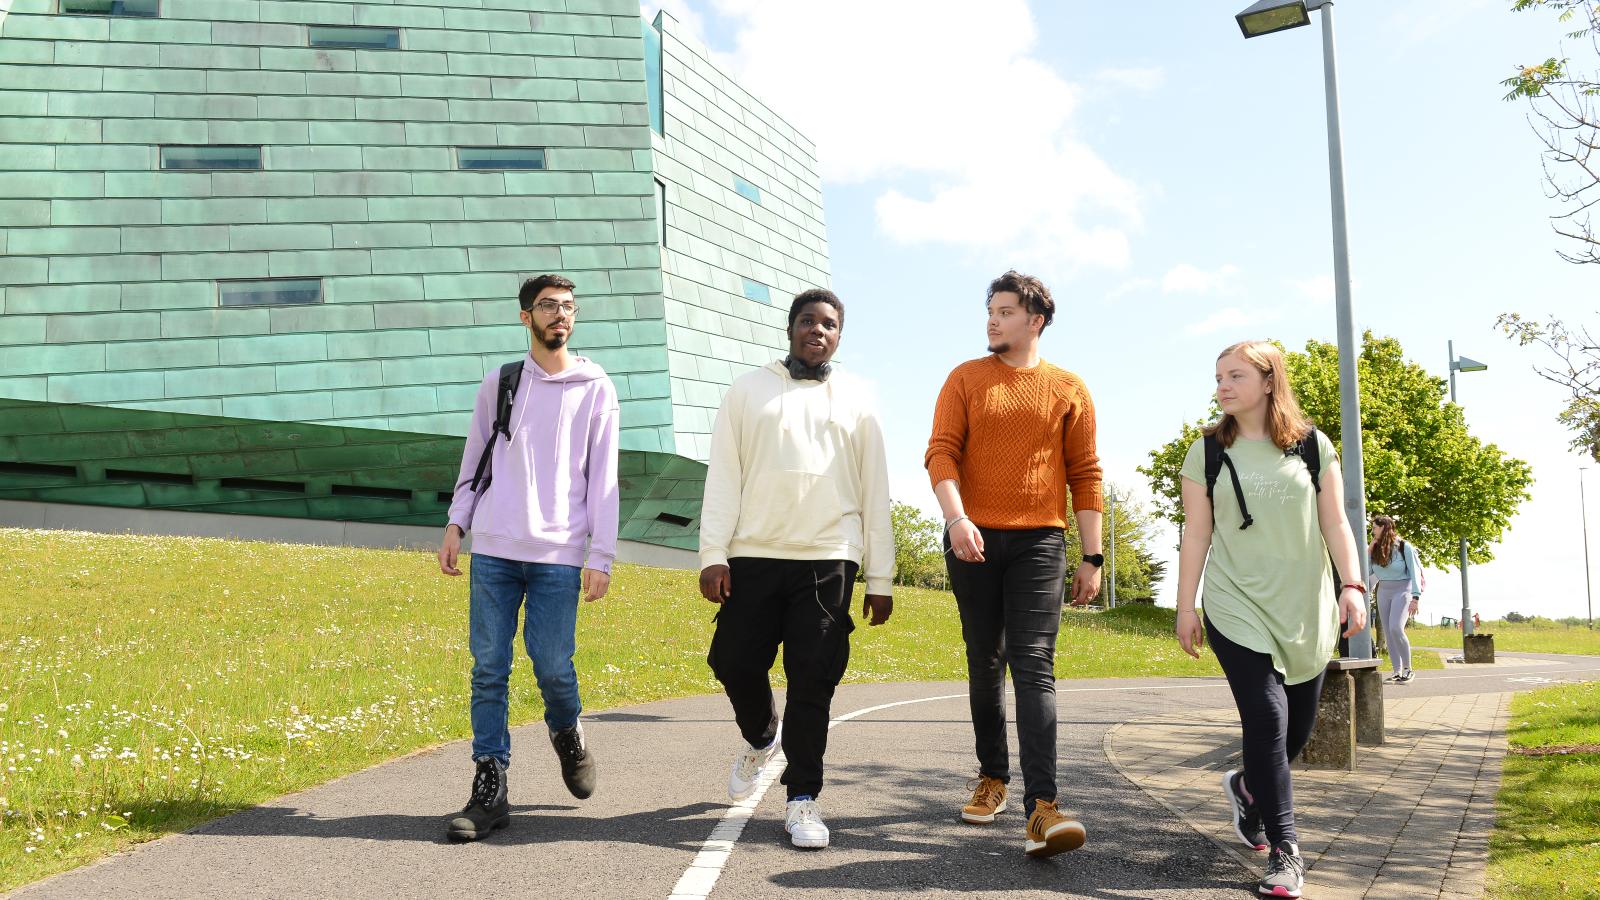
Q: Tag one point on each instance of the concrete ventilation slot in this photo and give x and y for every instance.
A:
(379, 493)
(22, 468)
(262, 484)
(151, 477)
(671, 519)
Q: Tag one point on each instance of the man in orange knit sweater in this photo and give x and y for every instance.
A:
(1011, 435)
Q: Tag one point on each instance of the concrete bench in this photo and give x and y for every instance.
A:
(1350, 713)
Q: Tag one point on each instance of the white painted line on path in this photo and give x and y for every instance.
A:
(701, 876)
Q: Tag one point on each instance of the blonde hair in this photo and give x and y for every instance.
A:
(1286, 423)
(1383, 541)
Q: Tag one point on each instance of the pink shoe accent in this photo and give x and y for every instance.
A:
(1281, 891)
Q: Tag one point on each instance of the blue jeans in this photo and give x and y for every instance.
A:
(549, 632)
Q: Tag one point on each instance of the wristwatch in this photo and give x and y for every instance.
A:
(1098, 560)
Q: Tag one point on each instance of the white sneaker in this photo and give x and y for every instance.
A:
(747, 767)
(805, 826)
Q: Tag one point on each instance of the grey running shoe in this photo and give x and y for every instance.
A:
(488, 807)
(578, 768)
(1246, 818)
(1286, 872)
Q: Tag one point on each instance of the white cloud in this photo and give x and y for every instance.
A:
(1231, 317)
(973, 132)
(1187, 279)
(1148, 79)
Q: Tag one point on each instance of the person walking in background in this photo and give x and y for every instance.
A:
(1399, 589)
(538, 489)
(1012, 435)
(796, 503)
(1263, 540)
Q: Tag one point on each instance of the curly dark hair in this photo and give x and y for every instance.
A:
(816, 295)
(532, 287)
(1034, 295)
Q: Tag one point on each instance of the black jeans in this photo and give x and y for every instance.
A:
(805, 606)
(1276, 720)
(1010, 608)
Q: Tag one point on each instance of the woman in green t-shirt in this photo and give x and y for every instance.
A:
(1271, 615)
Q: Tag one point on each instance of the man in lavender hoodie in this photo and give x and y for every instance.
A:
(544, 527)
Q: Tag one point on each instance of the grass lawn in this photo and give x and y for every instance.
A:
(151, 683)
(1523, 637)
(1546, 841)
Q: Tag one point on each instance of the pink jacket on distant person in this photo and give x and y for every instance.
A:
(552, 496)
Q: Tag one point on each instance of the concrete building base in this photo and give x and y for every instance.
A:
(114, 520)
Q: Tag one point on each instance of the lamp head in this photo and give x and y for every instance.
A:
(1269, 16)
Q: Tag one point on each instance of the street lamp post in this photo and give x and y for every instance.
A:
(1588, 594)
(1111, 602)
(1463, 364)
(1267, 17)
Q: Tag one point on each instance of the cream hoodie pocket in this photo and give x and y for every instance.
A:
(789, 507)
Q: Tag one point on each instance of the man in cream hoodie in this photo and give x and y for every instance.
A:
(796, 503)
(544, 528)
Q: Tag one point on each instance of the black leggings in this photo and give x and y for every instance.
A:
(1276, 720)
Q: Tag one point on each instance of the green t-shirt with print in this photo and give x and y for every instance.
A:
(1269, 587)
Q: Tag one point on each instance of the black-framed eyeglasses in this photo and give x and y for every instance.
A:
(551, 307)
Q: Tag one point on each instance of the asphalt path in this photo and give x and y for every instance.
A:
(899, 760)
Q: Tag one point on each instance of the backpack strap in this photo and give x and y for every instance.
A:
(1216, 458)
(1310, 450)
(510, 378)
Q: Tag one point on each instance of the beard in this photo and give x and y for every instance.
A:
(549, 340)
(1000, 347)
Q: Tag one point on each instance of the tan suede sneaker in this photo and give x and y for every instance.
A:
(988, 801)
(1050, 832)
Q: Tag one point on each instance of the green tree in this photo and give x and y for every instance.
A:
(1138, 571)
(918, 554)
(1422, 465)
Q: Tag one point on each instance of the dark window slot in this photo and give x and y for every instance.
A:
(22, 468)
(262, 484)
(153, 477)
(383, 493)
(447, 496)
(671, 519)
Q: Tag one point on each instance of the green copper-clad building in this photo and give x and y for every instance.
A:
(256, 255)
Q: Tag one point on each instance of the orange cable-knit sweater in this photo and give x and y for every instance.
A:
(1015, 440)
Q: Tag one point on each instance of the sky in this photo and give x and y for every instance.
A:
(1169, 181)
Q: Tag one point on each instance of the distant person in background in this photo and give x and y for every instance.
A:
(1399, 588)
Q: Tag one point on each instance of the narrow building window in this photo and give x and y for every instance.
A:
(747, 190)
(652, 76)
(141, 9)
(755, 290)
(500, 157)
(661, 213)
(270, 292)
(211, 157)
(353, 37)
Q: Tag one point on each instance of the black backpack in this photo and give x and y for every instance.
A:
(1306, 448)
(510, 377)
